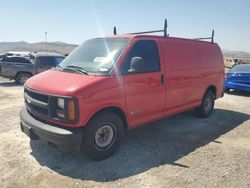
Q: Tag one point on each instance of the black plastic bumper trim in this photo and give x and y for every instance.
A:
(63, 138)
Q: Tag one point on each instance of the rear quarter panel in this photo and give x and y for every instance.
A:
(191, 68)
(212, 66)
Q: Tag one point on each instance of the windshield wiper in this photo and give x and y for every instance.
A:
(59, 67)
(76, 69)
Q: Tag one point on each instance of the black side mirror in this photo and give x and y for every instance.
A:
(136, 65)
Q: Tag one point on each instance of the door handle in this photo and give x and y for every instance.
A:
(162, 79)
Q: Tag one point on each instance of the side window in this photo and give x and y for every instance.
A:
(58, 60)
(23, 60)
(8, 59)
(15, 59)
(45, 61)
(147, 50)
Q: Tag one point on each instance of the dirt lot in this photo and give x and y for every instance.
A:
(181, 151)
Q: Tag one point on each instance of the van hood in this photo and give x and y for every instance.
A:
(59, 83)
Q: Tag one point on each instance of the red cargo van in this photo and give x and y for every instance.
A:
(109, 85)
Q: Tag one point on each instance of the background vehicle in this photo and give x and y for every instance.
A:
(17, 53)
(21, 68)
(108, 85)
(1, 56)
(238, 78)
(15, 59)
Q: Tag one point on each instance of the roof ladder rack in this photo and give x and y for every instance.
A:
(165, 33)
(164, 30)
(207, 38)
(115, 32)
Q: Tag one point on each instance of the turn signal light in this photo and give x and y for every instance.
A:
(71, 110)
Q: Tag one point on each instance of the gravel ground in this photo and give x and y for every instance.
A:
(181, 151)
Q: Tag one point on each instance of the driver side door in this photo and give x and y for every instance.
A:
(144, 89)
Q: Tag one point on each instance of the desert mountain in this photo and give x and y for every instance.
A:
(64, 48)
(58, 47)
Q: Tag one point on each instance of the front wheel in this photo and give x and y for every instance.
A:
(22, 78)
(103, 135)
(207, 105)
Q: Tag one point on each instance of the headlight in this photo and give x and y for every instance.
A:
(60, 103)
(66, 108)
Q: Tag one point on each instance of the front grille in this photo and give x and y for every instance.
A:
(39, 104)
(45, 106)
(37, 96)
(43, 111)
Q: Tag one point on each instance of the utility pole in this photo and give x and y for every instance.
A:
(46, 42)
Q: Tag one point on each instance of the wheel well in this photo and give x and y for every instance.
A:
(213, 89)
(116, 110)
(18, 73)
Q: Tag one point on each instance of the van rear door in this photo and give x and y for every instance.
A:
(144, 88)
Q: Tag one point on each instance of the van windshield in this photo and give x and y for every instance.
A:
(95, 56)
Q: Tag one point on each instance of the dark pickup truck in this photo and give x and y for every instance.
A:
(20, 69)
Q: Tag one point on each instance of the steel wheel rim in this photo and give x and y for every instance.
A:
(208, 104)
(23, 79)
(104, 136)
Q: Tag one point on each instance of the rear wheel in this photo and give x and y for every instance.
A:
(207, 105)
(103, 135)
(22, 78)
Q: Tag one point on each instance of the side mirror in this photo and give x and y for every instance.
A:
(136, 65)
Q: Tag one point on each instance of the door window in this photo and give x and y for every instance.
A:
(58, 60)
(147, 50)
(45, 61)
(17, 60)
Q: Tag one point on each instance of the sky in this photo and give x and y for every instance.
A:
(78, 20)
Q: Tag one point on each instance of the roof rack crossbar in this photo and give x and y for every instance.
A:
(207, 38)
(164, 30)
(144, 32)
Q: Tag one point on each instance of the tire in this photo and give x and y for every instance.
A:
(207, 105)
(103, 135)
(22, 78)
(227, 90)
